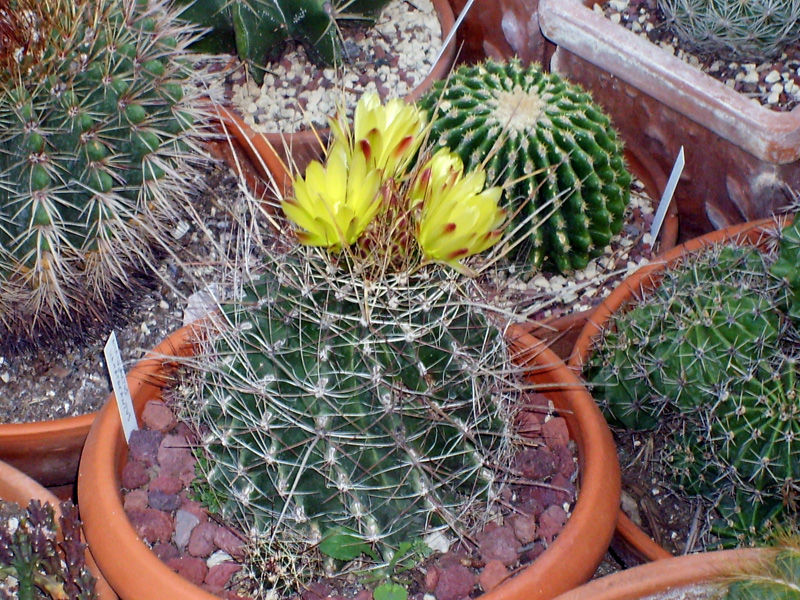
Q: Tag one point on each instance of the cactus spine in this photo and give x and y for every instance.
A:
(753, 30)
(566, 174)
(775, 576)
(704, 359)
(260, 29)
(93, 153)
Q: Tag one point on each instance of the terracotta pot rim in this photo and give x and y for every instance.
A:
(103, 513)
(640, 281)
(766, 134)
(668, 574)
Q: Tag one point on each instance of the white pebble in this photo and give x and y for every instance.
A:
(773, 76)
(751, 77)
(773, 98)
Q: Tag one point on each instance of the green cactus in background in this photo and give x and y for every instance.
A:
(334, 408)
(561, 161)
(94, 154)
(260, 29)
(33, 559)
(753, 30)
(787, 266)
(775, 577)
(704, 359)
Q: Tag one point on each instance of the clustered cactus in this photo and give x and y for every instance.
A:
(40, 554)
(754, 30)
(567, 183)
(260, 29)
(358, 392)
(707, 360)
(94, 153)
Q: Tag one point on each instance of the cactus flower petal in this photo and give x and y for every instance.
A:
(456, 216)
(334, 203)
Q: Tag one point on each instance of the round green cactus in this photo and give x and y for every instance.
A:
(93, 154)
(753, 30)
(553, 147)
(703, 359)
(331, 409)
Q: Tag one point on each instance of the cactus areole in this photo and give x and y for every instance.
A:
(551, 148)
(329, 408)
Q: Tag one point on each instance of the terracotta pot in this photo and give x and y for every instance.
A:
(665, 576)
(16, 486)
(298, 149)
(500, 30)
(47, 451)
(560, 333)
(636, 286)
(569, 561)
(739, 156)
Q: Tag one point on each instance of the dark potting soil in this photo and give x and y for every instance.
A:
(213, 554)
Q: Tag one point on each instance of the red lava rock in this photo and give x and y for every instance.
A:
(191, 568)
(220, 575)
(143, 446)
(555, 432)
(134, 475)
(552, 522)
(228, 541)
(455, 582)
(162, 501)
(194, 507)
(135, 500)
(201, 541)
(566, 462)
(536, 463)
(524, 528)
(151, 525)
(431, 578)
(493, 573)
(165, 551)
(500, 544)
(316, 590)
(565, 486)
(176, 459)
(534, 553)
(158, 417)
(166, 484)
(363, 595)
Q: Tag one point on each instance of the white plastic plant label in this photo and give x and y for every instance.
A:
(119, 382)
(666, 197)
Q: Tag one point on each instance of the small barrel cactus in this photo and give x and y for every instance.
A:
(703, 359)
(549, 145)
(787, 265)
(754, 30)
(260, 29)
(330, 408)
(776, 576)
(94, 154)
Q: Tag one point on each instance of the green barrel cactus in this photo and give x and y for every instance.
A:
(95, 154)
(259, 29)
(787, 265)
(774, 577)
(552, 147)
(754, 30)
(703, 359)
(331, 408)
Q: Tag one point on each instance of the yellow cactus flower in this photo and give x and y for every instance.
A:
(334, 203)
(388, 135)
(455, 216)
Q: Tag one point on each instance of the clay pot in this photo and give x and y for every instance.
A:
(16, 486)
(636, 286)
(568, 562)
(270, 153)
(500, 30)
(47, 451)
(664, 576)
(740, 157)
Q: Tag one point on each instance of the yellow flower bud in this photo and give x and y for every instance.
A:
(455, 216)
(334, 203)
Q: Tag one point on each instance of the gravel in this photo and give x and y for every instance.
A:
(391, 59)
(774, 84)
